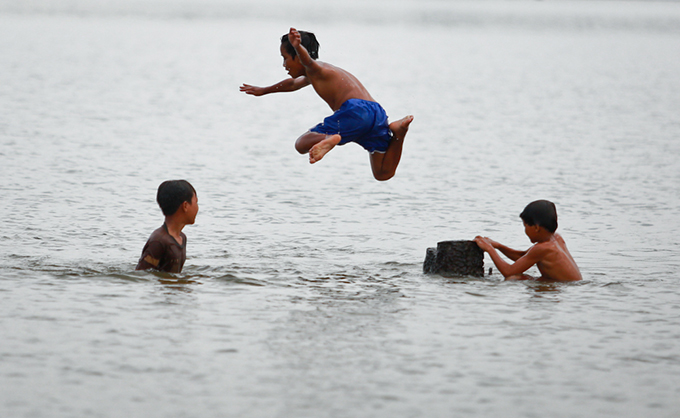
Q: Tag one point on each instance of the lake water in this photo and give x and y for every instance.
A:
(303, 293)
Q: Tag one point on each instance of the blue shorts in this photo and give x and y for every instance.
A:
(359, 121)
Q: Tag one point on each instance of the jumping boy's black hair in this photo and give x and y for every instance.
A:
(542, 213)
(307, 39)
(172, 193)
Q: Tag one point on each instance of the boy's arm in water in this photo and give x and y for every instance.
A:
(521, 264)
(287, 85)
(512, 254)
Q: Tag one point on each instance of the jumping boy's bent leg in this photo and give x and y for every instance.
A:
(317, 152)
(307, 141)
(384, 165)
(316, 144)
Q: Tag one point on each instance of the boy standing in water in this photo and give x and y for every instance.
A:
(166, 249)
(356, 118)
(549, 253)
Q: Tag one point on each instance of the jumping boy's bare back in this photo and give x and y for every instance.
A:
(336, 87)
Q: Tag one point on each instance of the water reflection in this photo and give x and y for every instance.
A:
(178, 284)
(540, 286)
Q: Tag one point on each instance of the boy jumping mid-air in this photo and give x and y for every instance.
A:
(549, 253)
(357, 118)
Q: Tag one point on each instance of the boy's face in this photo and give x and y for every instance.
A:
(292, 65)
(531, 231)
(192, 210)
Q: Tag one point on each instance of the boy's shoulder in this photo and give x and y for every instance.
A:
(550, 248)
(162, 236)
(540, 249)
(159, 234)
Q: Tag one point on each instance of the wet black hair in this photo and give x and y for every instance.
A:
(172, 193)
(307, 39)
(542, 213)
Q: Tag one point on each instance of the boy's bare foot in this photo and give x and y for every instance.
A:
(317, 152)
(399, 128)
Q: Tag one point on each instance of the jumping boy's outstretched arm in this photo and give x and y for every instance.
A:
(311, 67)
(522, 263)
(289, 84)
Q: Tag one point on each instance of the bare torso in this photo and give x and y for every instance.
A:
(556, 262)
(335, 85)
